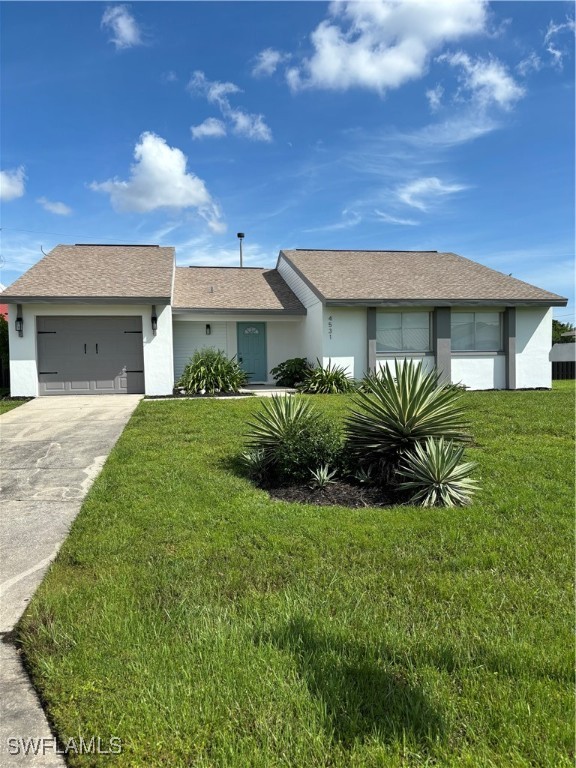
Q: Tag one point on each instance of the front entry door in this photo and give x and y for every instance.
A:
(252, 350)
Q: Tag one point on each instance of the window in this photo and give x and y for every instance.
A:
(402, 332)
(476, 331)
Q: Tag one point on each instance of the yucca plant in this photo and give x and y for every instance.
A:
(434, 472)
(278, 415)
(210, 371)
(254, 463)
(322, 477)
(294, 438)
(393, 412)
(326, 380)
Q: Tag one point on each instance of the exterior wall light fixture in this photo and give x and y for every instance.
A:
(19, 324)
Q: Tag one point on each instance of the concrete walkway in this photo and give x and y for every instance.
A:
(51, 450)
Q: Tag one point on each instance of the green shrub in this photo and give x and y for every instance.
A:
(327, 380)
(432, 470)
(294, 437)
(210, 371)
(291, 372)
(392, 413)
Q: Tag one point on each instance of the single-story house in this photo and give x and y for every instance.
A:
(90, 319)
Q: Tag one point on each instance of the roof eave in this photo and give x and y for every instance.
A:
(557, 302)
(236, 311)
(302, 276)
(15, 299)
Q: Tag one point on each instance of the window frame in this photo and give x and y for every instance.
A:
(475, 313)
(402, 312)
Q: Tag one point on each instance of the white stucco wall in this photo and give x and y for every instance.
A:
(563, 353)
(428, 361)
(283, 338)
(312, 325)
(533, 341)
(479, 371)
(345, 339)
(158, 372)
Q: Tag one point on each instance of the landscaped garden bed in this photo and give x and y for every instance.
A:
(205, 623)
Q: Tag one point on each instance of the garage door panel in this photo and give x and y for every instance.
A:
(90, 355)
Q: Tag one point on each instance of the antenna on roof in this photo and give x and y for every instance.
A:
(240, 237)
(43, 251)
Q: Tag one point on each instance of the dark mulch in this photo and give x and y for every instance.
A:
(340, 493)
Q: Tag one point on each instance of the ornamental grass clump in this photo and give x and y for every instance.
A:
(394, 412)
(209, 371)
(326, 380)
(435, 474)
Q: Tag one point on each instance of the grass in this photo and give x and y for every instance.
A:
(207, 625)
(7, 403)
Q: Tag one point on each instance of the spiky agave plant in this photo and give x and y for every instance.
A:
(279, 415)
(434, 472)
(393, 412)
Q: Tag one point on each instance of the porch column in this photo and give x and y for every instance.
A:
(371, 335)
(510, 346)
(442, 343)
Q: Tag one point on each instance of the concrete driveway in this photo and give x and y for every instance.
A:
(52, 448)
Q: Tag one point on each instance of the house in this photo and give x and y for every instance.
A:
(120, 318)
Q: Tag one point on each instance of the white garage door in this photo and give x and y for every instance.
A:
(90, 355)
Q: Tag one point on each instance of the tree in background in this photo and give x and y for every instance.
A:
(558, 329)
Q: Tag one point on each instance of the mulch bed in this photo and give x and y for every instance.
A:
(340, 494)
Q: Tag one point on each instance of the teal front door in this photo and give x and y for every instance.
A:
(252, 350)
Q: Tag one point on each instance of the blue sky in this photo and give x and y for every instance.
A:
(354, 125)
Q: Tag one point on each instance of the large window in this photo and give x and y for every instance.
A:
(402, 332)
(476, 331)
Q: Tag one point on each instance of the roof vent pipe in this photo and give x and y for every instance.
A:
(240, 237)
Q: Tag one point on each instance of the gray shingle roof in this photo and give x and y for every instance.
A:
(233, 288)
(98, 272)
(380, 276)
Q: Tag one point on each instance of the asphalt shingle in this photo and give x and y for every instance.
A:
(98, 271)
(411, 276)
(233, 288)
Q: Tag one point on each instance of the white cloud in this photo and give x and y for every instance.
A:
(215, 91)
(210, 128)
(382, 44)
(487, 80)
(550, 40)
(124, 30)
(424, 192)
(61, 209)
(349, 219)
(250, 125)
(267, 62)
(12, 183)
(434, 96)
(532, 63)
(159, 179)
(395, 219)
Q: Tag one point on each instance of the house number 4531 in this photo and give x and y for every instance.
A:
(330, 326)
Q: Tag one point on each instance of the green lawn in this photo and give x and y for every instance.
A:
(6, 402)
(206, 625)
